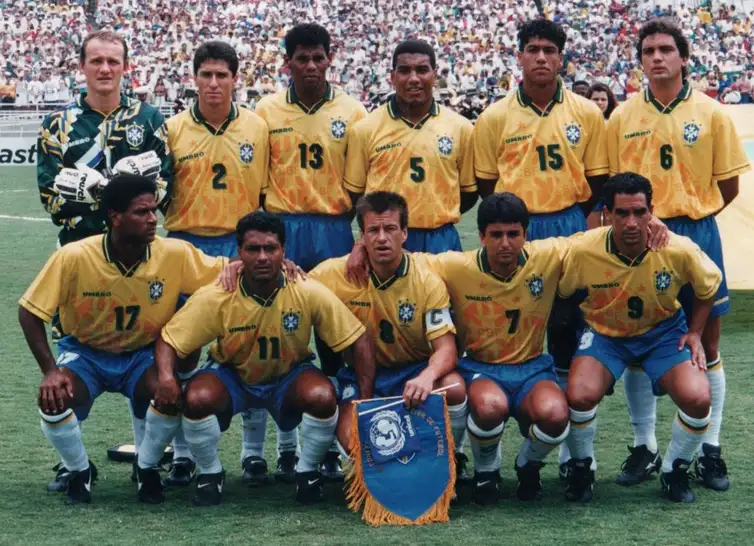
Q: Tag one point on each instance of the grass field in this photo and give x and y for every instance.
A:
(617, 516)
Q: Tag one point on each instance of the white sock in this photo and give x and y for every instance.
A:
(202, 436)
(458, 415)
(288, 441)
(253, 433)
(538, 445)
(642, 407)
(180, 445)
(137, 425)
(687, 437)
(583, 429)
(63, 432)
(716, 378)
(564, 454)
(318, 436)
(159, 431)
(485, 446)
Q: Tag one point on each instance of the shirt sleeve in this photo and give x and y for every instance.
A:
(486, 146)
(331, 319)
(729, 157)
(595, 153)
(357, 159)
(157, 141)
(197, 323)
(705, 277)
(437, 319)
(47, 292)
(570, 277)
(613, 143)
(264, 168)
(199, 269)
(466, 160)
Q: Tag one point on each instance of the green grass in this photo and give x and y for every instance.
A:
(617, 516)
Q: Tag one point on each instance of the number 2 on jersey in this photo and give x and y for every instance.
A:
(220, 173)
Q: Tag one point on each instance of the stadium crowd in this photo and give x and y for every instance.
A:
(475, 42)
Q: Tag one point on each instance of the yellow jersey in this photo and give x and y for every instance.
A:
(543, 156)
(403, 314)
(113, 308)
(630, 297)
(219, 173)
(501, 320)
(684, 149)
(429, 163)
(262, 338)
(308, 151)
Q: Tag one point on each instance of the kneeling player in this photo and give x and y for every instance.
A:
(405, 307)
(633, 316)
(115, 292)
(261, 359)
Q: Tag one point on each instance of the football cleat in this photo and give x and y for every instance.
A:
(254, 471)
(80, 487)
(675, 484)
(639, 466)
(63, 476)
(182, 472)
(209, 489)
(286, 467)
(486, 487)
(332, 471)
(463, 477)
(711, 469)
(309, 487)
(580, 484)
(150, 490)
(529, 483)
(563, 472)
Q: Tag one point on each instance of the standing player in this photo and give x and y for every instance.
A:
(546, 145)
(101, 131)
(262, 358)
(221, 152)
(115, 292)
(416, 148)
(687, 146)
(406, 310)
(308, 126)
(634, 316)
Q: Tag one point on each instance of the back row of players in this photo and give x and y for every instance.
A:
(307, 155)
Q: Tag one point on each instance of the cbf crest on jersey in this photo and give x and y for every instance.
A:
(406, 312)
(573, 133)
(156, 289)
(135, 135)
(445, 145)
(338, 129)
(536, 286)
(691, 132)
(663, 280)
(404, 468)
(290, 321)
(246, 152)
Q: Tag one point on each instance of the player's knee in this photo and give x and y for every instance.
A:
(199, 401)
(489, 410)
(321, 400)
(552, 411)
(696, 402)
(456, 394)
(583, 397)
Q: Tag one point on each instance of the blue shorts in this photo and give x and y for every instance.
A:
(387, 381)
(562, 223)
(703, 232)
(269, 396)
(105, 372)
(220, 245)
(656, 351)
(433, 241)
(598, 206)
(516, 380)
(310, 239)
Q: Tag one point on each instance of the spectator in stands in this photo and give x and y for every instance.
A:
(603, 97)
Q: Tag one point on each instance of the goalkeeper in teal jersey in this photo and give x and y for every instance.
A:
(101, 131)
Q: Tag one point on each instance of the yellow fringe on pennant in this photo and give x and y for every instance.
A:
(376, 514)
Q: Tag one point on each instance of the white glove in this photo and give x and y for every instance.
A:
(81, 185)
(147, 164)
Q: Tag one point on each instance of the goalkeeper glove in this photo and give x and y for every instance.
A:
(81, 185)
(147, 164)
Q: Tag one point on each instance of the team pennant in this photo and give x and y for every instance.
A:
(403, 469)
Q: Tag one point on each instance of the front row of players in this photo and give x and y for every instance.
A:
(117, 295)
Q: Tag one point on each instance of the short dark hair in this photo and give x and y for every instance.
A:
(379, 202)
(216, 50)
(612, 102)
(103, 36)
(665, 26)
(626, 183)
(306, 35)
(415, 46)
(123, 189)
(502, 208)
(580, 82)
(263, 222)
(544, 29)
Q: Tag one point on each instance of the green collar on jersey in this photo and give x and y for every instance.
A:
(107, 251)
(395, 113)
(526, 101)
(264, 302)
(402, 271)
(483, 263)
(683, 95)
(612, 248)
(197, 116)
(292, 98)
